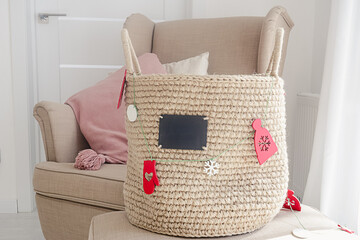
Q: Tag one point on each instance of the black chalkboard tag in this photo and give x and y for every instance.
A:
(183, 132)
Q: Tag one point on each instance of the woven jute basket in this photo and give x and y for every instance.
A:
(244, 195)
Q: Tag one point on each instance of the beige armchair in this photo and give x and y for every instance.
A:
(68, 198)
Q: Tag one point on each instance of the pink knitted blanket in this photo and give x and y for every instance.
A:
(101, 123)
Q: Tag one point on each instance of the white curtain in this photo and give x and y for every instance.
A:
(333, 184)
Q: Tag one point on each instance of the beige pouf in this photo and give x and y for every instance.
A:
(115, 225)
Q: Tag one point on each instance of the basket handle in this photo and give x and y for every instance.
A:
(274, 65)
(132, 63)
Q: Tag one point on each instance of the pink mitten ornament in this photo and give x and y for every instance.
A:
(150, 178)
(265, 146)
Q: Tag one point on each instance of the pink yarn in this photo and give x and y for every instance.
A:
(88, 159)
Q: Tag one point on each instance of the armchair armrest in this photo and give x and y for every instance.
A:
(60, 131)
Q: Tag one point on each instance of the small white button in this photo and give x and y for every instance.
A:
(131, 113)
(302, 233)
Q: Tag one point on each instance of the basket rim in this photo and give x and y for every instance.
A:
(223, 77)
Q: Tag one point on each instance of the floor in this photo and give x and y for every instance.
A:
(21, 226)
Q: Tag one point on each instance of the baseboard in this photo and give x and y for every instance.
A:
(8, 206)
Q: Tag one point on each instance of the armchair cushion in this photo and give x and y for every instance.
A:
(237, 45)
(103, 188)
(232, 42)
(197, 65)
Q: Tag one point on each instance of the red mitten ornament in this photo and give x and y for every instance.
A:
(150, 178)
(265, 146)
(292, 201)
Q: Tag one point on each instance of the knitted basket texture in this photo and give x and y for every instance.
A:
(243, 196)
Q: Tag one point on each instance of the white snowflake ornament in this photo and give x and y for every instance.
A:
(211, 167)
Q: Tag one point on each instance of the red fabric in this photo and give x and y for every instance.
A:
(346, 229)
(291, 202)
(150, 179)
(122, 90)
(102, 124)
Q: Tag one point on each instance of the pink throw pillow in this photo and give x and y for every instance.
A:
(101, 123)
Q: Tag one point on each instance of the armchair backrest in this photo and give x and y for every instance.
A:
(237, 45)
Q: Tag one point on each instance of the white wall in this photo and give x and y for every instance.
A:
(23, 101)
(322, 15)
(7, 142)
